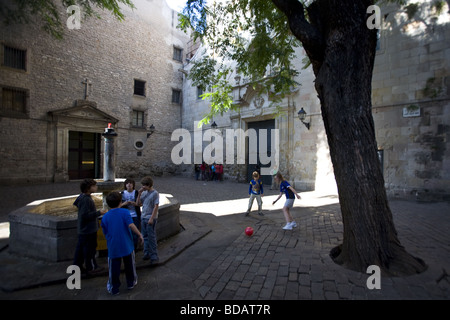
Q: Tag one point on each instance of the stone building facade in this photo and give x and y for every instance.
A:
(410, 96)
(59, 95)
(411, 109)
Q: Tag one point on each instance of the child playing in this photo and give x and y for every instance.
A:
(286, 188)
(116, 225)
(255, 190)
(148, 197)
(87, 226)
(129, 197)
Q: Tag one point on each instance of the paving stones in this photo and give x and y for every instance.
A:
(280, 264)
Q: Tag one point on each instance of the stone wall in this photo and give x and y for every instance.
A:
(411, 106)
(110, 54)
(410, 95)
(303, 154)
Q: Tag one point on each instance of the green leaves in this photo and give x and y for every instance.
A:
(220, 99)
(214, 79)
(250, 38)
(23, 11)
(203, 72)
(194, 18)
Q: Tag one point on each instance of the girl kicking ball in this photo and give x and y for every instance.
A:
(289, 191)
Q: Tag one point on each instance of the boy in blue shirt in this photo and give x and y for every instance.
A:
(255, 190)
(117, 225)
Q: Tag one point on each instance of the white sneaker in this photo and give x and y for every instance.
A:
(293, 224)
(288, 226)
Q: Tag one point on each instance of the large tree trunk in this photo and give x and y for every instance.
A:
(343, 72)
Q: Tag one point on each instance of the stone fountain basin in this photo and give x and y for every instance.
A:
(47, 229)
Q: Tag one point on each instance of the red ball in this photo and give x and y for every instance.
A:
(249, 231)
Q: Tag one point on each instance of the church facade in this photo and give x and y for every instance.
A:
(57, 97)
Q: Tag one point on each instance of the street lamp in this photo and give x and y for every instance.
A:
(152, 129)
(214, 125)
(302, 116)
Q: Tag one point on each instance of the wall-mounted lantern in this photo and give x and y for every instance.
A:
(302, 116)
(152, 129)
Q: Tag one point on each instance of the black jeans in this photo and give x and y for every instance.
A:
(85, 251)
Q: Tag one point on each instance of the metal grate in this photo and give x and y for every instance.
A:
(13, 100)
(14, 58)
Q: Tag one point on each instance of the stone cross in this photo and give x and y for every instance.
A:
(87, 84)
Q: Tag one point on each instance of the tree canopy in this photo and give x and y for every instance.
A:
(47, 11)
(258, 36)
(250, 36)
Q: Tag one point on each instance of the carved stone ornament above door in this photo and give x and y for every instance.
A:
(83, 109)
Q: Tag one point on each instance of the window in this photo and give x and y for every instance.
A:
(199, 92)
(138, 119)
(139, 87)
(14, 58)
(14, 101)
(176, 96)
(177, 54)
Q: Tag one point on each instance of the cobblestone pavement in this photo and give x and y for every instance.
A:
(273, 263)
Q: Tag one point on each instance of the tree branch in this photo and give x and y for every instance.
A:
(309, 35)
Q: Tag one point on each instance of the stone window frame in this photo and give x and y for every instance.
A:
(144, 89)
(12, 113)
(16, 49)
(139, 144)
(176, 91)
(132, 118)
(200, 91)
(177, 53)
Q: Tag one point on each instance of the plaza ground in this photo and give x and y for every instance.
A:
(213, 259)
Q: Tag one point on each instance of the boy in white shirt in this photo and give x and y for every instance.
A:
(129, 197)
